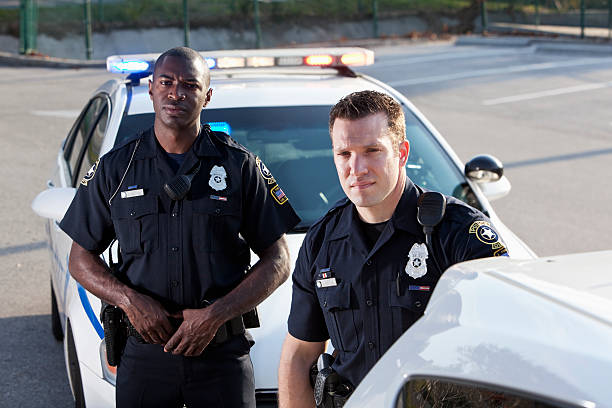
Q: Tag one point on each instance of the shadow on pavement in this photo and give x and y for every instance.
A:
(32, 364)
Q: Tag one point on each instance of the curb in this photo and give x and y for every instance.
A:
(16, 60)
(569, 45)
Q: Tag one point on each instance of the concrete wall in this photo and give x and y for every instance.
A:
(156, 40)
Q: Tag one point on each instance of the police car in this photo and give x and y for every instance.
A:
(504, 333)
(276, 103)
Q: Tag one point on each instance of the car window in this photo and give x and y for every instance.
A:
(432, 392)
(83, 145)
(97, 137)
(294, 143)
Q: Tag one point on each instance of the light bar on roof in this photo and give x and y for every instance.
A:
(211, 62)
(257, 62)
(252, 59)
(127, 66)
(230, 62)
(354, 58)
(319, 60)
(289, 61)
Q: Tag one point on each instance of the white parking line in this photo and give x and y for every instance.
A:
(56, 113)
(550, 92)
(499, 71)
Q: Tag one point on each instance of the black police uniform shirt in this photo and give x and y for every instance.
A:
(184, 252)
(350, 293)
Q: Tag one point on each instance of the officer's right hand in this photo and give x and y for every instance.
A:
(149, 318)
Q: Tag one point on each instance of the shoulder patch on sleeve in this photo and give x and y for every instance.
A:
(487, 235)
(279, 195)
(91, 173)
(265, 173)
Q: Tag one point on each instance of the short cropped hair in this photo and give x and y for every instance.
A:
(186, 54)
(360, 104)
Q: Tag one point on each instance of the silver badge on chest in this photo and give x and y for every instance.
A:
(217, 178)
(417, 257)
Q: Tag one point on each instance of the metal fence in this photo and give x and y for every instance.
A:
(572, 17)
(56, 18)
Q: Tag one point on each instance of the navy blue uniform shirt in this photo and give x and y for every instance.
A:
(180, 252)
(346, 292)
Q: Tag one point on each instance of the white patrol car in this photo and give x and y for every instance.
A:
(276, 103)
(504, 333)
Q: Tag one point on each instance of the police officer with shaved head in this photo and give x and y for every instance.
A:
(186, 205)
(366, 270)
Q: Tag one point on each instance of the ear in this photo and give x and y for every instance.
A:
(404, 150)
(208, 96)
(150, 88)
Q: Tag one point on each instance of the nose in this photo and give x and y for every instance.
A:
(358, 165)
(176, 93)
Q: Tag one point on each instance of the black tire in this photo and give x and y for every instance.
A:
(56, 324)
(74, 370)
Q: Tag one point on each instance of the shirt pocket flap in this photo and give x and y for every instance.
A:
(414, 300)
(336, 297)
(134, 208)
(216, 205)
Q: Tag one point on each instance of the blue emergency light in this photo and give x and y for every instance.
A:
(128, 66)
(220, 127)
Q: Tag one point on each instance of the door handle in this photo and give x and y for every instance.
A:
(50, 184)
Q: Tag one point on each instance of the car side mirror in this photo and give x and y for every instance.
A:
(54, 202)
(484, 169)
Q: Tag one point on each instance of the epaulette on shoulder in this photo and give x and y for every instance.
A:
(225, 139)
(457, 210)
(317, 232)
(128, 142)
(343, 202)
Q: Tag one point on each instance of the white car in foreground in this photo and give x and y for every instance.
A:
(505, 333)
(276, 103)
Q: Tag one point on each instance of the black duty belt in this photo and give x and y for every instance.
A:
(228, 329)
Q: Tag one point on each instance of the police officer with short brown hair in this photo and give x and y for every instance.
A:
(185, 247)
(366, 271)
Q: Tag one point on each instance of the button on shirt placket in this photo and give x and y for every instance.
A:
(370, 313)
(175, 250)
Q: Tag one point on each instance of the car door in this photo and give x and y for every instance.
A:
(79, 152)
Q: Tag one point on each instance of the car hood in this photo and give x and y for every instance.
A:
(541, 327)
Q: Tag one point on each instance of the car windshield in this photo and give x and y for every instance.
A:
(294, 143)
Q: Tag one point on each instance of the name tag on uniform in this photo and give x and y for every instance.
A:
(132, 193)
(325, 283)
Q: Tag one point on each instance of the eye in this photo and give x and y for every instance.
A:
(165, 82)
(344, 154)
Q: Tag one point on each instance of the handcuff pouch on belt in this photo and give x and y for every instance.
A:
(330, 389)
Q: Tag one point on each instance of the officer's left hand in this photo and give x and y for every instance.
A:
(195, 332)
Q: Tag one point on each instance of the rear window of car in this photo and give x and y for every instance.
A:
(294, 143)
